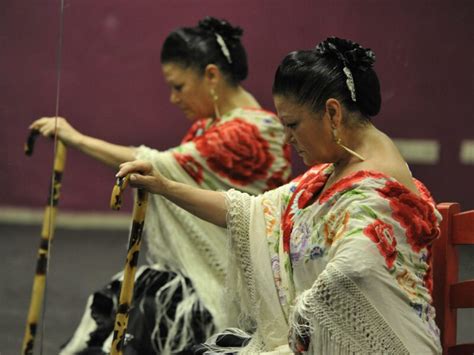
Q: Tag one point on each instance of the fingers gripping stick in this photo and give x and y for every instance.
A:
(126, 293)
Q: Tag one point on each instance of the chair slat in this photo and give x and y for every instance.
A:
(463, 228)
(461, 294)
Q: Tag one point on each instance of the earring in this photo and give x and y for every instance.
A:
(339, 143)
(215, 98)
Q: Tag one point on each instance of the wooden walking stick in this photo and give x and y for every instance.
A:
(126, 293)
(47, 231)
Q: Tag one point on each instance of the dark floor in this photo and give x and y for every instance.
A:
(81, 262)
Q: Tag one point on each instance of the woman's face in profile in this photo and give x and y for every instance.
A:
(189, 91)
(309, 133)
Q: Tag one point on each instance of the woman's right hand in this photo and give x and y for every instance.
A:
(66, 133)
(144, 176)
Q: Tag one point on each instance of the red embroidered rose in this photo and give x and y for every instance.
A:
(413, 213)
(424, 192)
(236, 150)
(381, 234)
(347, 182)
(191, 166)
(308, 185)
(196, 130)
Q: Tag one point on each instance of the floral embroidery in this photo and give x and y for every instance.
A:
(242, 149)
(381, 234)
(347, 182)
(299, 242)
(415, 215)
(196, 130)
(335, 226)
(277, 278)
(311, 227)
(236, 150)
(191, 166)
(315, 252)
(280, 177)
(270, 220)
(308, 185)
(408, 283)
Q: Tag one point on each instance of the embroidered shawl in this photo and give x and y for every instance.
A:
(242, 150)
(350, 270)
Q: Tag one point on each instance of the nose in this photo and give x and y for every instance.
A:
(174, 99)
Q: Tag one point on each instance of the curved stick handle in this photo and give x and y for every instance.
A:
(47, 232)
(30, 142)
(126, 293)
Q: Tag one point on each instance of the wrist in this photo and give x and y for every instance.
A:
(79, 141)
(167, 187)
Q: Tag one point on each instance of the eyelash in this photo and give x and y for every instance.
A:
(291, 125)
(177, 87)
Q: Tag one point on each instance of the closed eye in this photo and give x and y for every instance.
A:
(291, 125)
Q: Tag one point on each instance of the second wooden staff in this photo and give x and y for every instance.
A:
(126, 293)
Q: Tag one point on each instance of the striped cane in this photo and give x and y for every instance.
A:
(47, 231)
(126, 293)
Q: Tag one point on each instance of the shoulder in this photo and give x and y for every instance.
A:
(257, 116)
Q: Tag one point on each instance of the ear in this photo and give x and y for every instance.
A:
(334, 112)
(212, 75)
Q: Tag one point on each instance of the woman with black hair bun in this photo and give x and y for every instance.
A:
(338, 260)
(232, 143)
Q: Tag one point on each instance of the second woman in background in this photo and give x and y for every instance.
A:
(232, 143)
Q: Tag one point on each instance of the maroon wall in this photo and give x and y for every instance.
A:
(112, 86)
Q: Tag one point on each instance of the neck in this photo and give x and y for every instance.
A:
(231, 98)
(358, 140)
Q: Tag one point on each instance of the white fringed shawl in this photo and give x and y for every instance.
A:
(357, 274)
(181, 242)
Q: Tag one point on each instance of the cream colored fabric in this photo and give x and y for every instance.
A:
(180, 242)
(340, 288)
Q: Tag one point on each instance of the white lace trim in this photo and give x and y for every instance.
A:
(341, 320)
(240, 284)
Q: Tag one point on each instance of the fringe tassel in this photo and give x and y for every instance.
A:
(180, 331)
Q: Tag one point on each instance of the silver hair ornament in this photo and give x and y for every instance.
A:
(350, 82)
(224, 48)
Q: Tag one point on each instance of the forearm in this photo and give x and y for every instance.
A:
(105, 152)
(205, 204)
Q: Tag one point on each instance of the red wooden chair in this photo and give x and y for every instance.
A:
(457, 228)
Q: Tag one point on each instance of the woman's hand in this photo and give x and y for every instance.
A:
(66, 133)
(207, 205)
(143, 176)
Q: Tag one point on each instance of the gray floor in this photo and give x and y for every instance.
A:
(81, 262)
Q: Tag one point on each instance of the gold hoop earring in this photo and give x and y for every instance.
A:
(215, 98)
(339, 143)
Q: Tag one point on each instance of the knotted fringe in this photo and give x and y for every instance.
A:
(340, 320)
(180, 327)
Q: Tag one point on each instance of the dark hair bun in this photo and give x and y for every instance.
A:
(348, 52)
(222, 27)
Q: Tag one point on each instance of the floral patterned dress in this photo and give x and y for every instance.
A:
(343, 271)
(178, 298)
